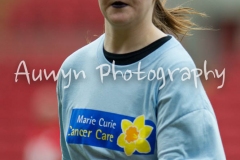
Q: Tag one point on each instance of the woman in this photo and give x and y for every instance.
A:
(133, 97)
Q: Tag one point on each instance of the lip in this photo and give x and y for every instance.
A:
(118, 4)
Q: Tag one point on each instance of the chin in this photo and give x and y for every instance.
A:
(120, 20)
(118, 23)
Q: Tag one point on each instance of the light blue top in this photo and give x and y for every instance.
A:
(163, 116)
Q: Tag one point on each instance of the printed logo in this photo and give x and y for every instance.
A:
(134, 135)
(112, 131)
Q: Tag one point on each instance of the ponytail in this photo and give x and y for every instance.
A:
(174, 20)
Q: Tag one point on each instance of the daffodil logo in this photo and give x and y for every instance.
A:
(134, 135)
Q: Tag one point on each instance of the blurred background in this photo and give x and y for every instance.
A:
(43, 33)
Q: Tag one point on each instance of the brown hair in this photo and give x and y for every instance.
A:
(174, 20)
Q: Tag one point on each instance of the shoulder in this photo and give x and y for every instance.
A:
(82, 55)
(181, 81)
(172, 55)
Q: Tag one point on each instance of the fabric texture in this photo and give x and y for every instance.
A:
(153, 109)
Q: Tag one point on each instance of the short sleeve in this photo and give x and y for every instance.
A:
(186, 124)
(65, 154)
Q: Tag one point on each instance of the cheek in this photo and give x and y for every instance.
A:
(101, 6)
(142, 5)
(146, 7)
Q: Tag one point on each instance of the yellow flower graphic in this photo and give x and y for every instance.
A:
(134, 135)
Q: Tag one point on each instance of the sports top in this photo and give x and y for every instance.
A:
(147, 110)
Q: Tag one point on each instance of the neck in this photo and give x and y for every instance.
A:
(122, 40)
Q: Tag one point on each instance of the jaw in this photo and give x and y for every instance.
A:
(120, 17)
(126, 13)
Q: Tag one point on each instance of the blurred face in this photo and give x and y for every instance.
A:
(127, 12)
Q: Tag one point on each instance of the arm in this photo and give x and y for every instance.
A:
(186, 124)
(65, 154)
